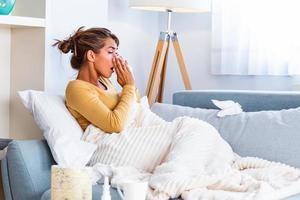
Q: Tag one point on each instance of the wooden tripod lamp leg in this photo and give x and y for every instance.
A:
(183, 70)
(163, 77)
(157, 55)
(157, 65)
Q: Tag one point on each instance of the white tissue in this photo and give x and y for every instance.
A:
(130, 68)
(98, 172)
(71, 153)
(227, 107)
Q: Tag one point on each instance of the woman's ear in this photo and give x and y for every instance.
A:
(90, 56)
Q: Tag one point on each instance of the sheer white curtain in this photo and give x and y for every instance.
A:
(256, 37)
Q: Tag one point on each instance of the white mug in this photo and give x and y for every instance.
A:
(133, 190)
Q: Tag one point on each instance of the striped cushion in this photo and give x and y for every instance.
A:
(143, 145)
(139, 147)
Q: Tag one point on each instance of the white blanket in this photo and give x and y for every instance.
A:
(187, 158)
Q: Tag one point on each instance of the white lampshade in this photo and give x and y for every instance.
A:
(173, 5)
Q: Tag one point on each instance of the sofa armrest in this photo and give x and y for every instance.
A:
(29, 168)
(4, 143)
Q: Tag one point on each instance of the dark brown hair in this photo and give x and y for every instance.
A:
(82, 41)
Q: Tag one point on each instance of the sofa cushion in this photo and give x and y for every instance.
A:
(294, 197)
(272, 135)
(97, 192)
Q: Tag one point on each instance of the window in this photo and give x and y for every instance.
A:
(256, 37)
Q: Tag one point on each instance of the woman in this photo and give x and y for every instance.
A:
(184, 157)
(91, 98)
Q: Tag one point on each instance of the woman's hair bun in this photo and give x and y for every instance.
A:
(69, 44)
(65, 45)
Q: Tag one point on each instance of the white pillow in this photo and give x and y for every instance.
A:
(59, 127)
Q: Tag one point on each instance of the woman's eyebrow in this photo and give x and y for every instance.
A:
(114, 48)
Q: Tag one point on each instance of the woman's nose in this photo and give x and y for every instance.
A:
(116, 54)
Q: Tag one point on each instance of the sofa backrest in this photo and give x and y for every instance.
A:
(250, 100)
(272, 135)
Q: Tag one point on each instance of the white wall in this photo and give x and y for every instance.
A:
(65, 17)
(194, 33)
(138, 32)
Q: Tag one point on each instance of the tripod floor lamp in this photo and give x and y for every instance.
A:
(156, 81)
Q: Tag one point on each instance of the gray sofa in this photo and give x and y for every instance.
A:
(268, 134)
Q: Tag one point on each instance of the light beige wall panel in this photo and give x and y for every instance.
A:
(4, 81)
(27, 72)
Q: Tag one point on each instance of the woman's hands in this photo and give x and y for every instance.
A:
(124, 73)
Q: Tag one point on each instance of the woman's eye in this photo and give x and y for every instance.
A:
(110, 52)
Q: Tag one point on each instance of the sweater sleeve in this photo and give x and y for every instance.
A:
(91, 107)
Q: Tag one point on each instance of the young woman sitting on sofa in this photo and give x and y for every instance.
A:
(186, 157)
(91, 98)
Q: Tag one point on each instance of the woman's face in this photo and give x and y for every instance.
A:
(103, 60)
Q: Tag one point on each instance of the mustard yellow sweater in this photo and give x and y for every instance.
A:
(105, 109)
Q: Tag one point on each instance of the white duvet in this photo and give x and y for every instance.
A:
(186, 157)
